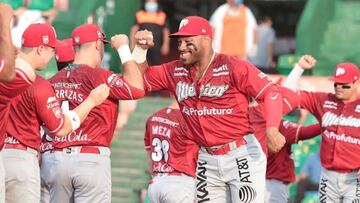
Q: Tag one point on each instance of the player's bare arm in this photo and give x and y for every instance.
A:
(131, 71)
(7, 50)
(74, 118)
(143, 41)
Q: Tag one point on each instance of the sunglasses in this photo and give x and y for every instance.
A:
(343, 86)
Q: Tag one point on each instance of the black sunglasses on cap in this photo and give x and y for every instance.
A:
(343, 86)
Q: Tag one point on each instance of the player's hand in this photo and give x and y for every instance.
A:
(98, 95)
(6, 13)
(307, 62)
(144, 39)
(275, 140)
(119, 40)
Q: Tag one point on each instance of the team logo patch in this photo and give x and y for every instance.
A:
(261, 75)
(114, 80)
(183, 23)
(45, 39)
(247, 194)
(340, 71)
(57, 112)
(77, 39)
(201, 191)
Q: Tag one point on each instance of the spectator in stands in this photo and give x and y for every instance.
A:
(309, 176)
(266, 36)
(234, 28)
(152, 18)
(33, 11)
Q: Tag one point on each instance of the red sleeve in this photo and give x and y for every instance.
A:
(157, 78)
(291, 99)
(15, 87)
(147, 135)
(48, 107)
(119, 88)
(290, 131)
(252, 81)
(308, 132)
(273, 107)
(310, 100)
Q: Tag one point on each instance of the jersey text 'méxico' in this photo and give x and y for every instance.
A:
(166, 137)
(215, 107)
(340, 124)
(73, 85)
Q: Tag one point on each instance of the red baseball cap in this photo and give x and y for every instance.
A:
(39, 34)
(345, 73)
(88, 33)
(64, 51)
(193, 26)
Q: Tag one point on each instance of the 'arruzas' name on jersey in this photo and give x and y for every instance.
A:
(330, 119)
(185, 90)
(68, 93)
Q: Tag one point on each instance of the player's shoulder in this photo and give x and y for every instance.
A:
(24, 70)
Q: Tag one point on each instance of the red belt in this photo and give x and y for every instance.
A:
(173, 173)
(224, 149)
(84, 149)
(15, 146)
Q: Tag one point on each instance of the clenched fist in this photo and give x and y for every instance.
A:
(307, 62)
(119, 40)
(275, 140)
(144, 39)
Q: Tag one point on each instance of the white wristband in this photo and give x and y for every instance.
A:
(124, 53)
(74, 119)
(139, 54)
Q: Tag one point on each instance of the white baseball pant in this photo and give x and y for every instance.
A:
(276, 191)
(238, 176)
(72, 176)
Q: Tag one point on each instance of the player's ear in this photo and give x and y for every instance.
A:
(40, 49)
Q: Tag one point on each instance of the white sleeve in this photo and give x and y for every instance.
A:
(293, 78)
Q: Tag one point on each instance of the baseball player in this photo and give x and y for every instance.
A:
(339, 116)
(7, 51)
(64, 54)
(9, 90)
(173, 156)
(32, 107)
(81, 171)
(212, 91)
(280, 166)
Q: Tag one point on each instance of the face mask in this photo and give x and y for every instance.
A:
(238, 2)
(151, 7)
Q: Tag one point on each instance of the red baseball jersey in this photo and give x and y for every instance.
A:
(30, 109)
(72, 86)
(340, 124)
(168, 139)
(280, 166)
(215, 107)
(25, 75)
